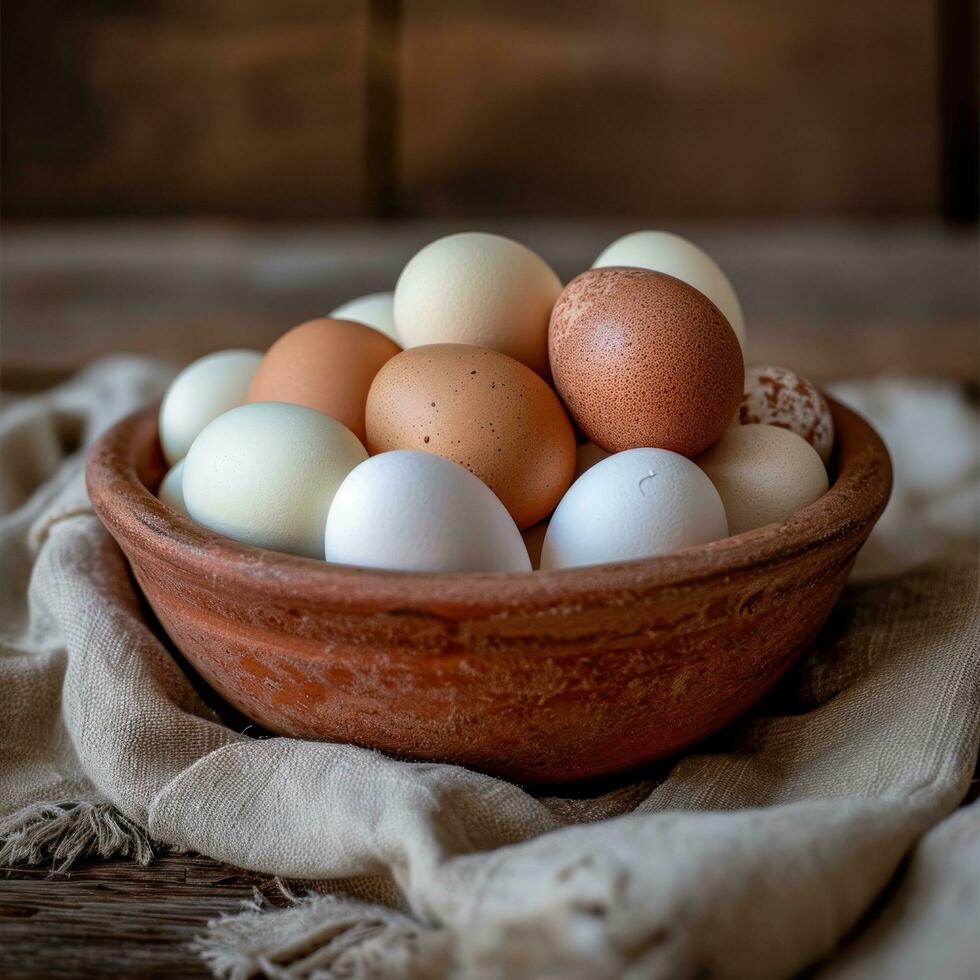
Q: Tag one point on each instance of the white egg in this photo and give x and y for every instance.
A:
(586, 456)
(266, 473)
(375, 310)
(171, 490)
(418, 512)
(200, 393)
(764, 474)
(663, 251)
(633, 504)
(479, 289)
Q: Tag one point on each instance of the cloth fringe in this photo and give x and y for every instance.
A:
(64, 832)
(321, 937)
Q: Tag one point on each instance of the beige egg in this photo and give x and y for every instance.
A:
(764, 475)
(778, 396)
(479, 289)
(483, 410)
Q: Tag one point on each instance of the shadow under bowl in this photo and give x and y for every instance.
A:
(540, 677)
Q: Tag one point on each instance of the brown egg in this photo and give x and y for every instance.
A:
(644, 360)
(484, 410)
(324, 364)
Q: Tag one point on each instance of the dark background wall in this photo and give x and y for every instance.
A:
(322, 109)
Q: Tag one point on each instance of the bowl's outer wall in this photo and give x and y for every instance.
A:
(544, 677)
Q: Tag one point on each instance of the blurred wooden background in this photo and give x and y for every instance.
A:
(825, 151)
(313, 110)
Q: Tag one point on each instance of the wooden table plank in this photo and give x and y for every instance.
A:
(116, 918)
(831, 300)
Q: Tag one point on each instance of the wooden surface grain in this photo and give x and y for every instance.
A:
(116, 918)
(828, 299)
(306, 110)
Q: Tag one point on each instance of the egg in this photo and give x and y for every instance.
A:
(200, 393)
(634, 504)
(324, 364)
(266, 473)
(417, 512)
(662, 251)
(171, 491)
(642, 359)
(764, 475)
(484, 410)
(478, 289)
(779, 396)
(376, 310)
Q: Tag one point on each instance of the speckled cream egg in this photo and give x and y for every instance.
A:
(642, 359)
(634, 504)
(376, 310)
(478, 289)
(483, 410)
(327, 365)
(663, 251)
(418, 512)
(779, 396)
(171, 490)
(200, 393)
(266, 474)
(764, 474)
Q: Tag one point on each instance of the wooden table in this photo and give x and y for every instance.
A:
(831, 300)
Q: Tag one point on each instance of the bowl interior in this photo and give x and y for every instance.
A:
(126, 465)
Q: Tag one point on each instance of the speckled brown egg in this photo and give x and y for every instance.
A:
(642, 359)
(778, 396)
(484, 410)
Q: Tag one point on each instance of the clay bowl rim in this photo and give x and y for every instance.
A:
(132, 513)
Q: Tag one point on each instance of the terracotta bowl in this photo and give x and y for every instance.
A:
(540, 677)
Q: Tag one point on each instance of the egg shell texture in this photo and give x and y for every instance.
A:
(171, 489)
(663, 251)
(778, 396)
(418, 512)
(631, 505)
(265, 473)
(324, 364)
(483, 410)
(764, 475)
(376, 310)
(205, 389)
(480, 289)
(642, 359)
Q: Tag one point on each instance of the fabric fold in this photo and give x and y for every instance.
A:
(754, 854)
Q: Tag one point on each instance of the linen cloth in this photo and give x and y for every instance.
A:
(825, 819)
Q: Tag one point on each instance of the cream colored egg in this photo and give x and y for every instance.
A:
(201, 392)
(764, 475)
(633, 504)
(171, 490)
(266, 473)
(375, 310)
(663, 251)
(415, 512)
(479, 289)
